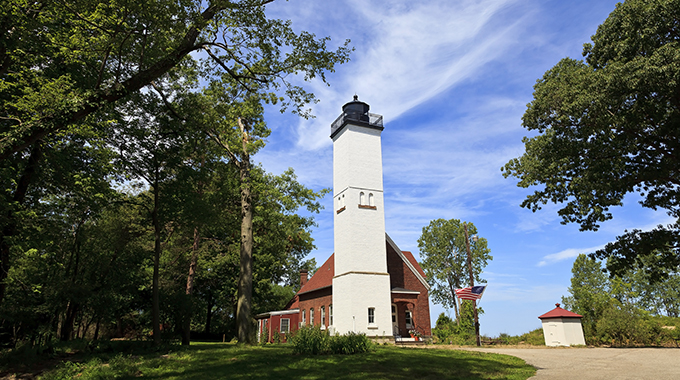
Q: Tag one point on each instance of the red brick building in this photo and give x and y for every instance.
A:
(313, 304)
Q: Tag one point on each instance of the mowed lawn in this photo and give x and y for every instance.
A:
(224, 360)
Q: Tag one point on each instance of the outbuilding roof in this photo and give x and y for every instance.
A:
(558, 312)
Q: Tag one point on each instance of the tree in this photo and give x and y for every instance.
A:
(608, 126)
(61, 62)
(442, 247)
(589, 291)
(65, 66)
(619, 308)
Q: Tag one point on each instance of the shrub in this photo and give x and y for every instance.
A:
(264, 336)
(311, 340)
(449, 331)
(314, 341)
(350, 343)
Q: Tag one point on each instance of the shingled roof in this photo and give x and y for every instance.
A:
(322, 278)
(558, 312)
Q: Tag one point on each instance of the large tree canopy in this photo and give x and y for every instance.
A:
(443, 249)
(62, 61)
(608, 126)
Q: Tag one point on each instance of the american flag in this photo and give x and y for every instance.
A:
(471, 293)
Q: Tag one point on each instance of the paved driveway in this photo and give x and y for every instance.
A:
(598, 363)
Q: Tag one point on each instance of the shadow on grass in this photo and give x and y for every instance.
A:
(213, 361)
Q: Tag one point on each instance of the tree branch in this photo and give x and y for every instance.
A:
(93, 103)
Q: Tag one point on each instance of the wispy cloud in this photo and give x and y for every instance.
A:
(566, 255)
(414, 52)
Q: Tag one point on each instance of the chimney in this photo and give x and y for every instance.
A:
(303, 277)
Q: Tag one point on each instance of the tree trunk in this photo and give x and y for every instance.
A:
(245, 283)
(186, 331)
(96, 329)
(208, 318)
(67, 325)
(455, 300)
(11, 223)
(472, 283)
(156, 262)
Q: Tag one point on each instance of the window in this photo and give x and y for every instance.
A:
(371, 315)
(323, 316)
(304, 317)
(394, 313)
(409, 319)
(370, 199)
(361, 198)
(285, 325)
(330, 315)
(311, 317)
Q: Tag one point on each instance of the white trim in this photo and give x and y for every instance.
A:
(356, 188)
(405, 291)
(287, 325)
(408, 263)
(279, 312)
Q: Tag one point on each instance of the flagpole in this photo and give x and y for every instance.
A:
(472, 283)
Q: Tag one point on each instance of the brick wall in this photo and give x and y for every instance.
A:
(402, 277)
(316, 299)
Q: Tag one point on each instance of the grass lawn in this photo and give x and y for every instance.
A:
(225, 360)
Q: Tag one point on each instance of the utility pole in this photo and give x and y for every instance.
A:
(472, 282)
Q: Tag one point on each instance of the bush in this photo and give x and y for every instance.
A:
(264, 336)
(627, 325)
(534, 337)
(448, 331)
(314, 341)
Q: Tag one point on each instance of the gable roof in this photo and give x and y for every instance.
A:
(322, 278)
(414, 262)
(558, 312)
(293, 303)
(410, 262)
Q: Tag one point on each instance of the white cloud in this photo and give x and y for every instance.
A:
(566, 255)
(416, 51)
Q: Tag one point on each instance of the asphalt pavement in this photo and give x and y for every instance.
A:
(597, 363)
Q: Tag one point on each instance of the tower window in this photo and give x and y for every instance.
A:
(361, 198)
(371, 315)
(370, 199)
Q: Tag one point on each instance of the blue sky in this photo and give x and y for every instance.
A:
(452, 80)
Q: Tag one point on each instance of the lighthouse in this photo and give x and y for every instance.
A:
(361, 284)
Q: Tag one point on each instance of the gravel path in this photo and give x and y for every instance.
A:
(598, 363)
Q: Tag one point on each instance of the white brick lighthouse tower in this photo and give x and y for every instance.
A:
(361, 286)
